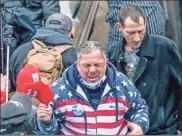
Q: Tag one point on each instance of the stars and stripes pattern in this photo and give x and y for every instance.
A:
(81, 118)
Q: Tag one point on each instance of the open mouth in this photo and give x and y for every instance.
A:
(93, 78)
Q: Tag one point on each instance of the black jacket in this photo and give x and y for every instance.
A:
(158, 77)
(49, 36)
(15, 15)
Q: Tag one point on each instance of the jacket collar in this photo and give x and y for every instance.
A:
(146, 48)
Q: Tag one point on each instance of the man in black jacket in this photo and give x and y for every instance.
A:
(154, 65)
(17, 29)
(57, 31)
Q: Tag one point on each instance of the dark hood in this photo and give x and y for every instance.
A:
(52, 36)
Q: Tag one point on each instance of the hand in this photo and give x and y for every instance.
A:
(3, 82)
(44, 113)
(135, 129)
(32, 94)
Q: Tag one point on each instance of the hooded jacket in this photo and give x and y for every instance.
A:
(158, 77)
(51, 37)
(74, 115)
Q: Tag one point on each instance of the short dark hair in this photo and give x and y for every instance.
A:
(130, 11)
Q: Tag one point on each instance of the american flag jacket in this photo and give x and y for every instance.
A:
(74, 115)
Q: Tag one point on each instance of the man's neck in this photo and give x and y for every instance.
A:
(129, 48)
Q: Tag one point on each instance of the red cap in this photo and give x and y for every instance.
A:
(29, 80)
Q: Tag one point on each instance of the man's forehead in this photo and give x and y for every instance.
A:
(91, 59)
(137, 28)
(130, 23)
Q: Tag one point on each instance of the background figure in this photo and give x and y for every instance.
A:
(152, 10)
(17, 27)
(25, 16)
(154, 65)
(40, 10)
(56, 34)
(17, 116)
(16, 15)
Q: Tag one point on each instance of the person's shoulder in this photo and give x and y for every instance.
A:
(112, 47)
(64, 79)
(113, 51)
(110, 50)
(22, 49)
(70, 48)
(124, 83)
(70, 53)
(120, 77)
(25, 46)
(160, 38)
(55, 86)
(165, 45)
(162, 41)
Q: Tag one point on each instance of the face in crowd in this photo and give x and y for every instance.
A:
(133, 32)
(91, 66)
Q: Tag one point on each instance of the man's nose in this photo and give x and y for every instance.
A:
(137, 37)
(92, 69)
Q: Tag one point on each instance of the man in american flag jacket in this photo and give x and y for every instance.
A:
(93, 98)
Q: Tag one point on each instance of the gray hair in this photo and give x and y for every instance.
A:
(90, 46)
(130, 11)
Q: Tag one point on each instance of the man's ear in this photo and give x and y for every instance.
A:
(70, 35)
(76, 64)
(120, 26)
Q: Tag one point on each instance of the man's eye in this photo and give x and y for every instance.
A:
(86, 65)
(130, 32)
(97, 65)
